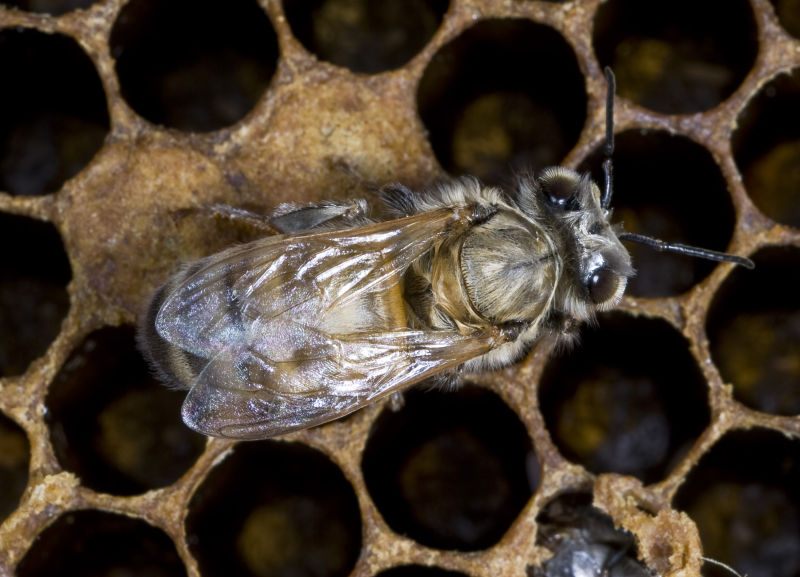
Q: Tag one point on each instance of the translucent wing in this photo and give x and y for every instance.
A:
(301, 330)
(303, 275)
(244, 397)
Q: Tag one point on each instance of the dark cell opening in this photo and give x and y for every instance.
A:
(677, 56)
(193, 65)
(766, 147)
(59, 109)
(754, 332)
(98, 544)
(583, 541)
(365, 35)
(670, 188)
(744, 497)
(112, 423)
(33, 290)
(53, 7)
(629, 399)
(275, 509)
(419, 571)
(451, 469)
(493, 105)
(15, 455)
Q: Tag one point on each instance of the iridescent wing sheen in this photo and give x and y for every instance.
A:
(274, 276)
(301, 330)
(246, 396)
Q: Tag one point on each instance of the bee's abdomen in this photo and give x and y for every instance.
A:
(172, 365)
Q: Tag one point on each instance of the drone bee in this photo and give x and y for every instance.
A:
(339, 310)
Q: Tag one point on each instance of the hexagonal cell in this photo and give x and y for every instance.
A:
(60, 113)
(451, 470)
(676, 56)
(33, 293)
(94, 543)
(485, 104)
(54, 7)
(274, 508)
(754, 332)
(419, 571)
(583, 541)
(365, 36)
(670, 188)
(628, 399)
(193, 66)
(743, 495)
(788, 12)
(766, 147)
(112, 423)
(15, 454)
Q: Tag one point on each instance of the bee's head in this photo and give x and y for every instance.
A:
(596, 266)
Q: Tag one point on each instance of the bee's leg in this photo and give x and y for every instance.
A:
(399, 199)
(244, 217)
(511, 330)
(570, 328)
(563, 328)
(291, 218)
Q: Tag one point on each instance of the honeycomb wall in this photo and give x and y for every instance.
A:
(122, 123)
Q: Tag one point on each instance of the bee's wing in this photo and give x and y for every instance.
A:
(302, 275)
(301, 330)
(246, 396)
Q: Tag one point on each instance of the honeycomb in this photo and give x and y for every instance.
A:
(676, 417)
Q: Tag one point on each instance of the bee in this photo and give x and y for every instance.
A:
(584, 543)
(339, 309)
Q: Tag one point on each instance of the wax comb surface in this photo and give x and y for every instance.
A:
(125, 123)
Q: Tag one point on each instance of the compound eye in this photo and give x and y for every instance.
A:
(602, 285)
(559, 192)
(560, 188)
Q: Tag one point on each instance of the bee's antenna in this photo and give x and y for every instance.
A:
(608, 168)
(686, 249)
(608, 171)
